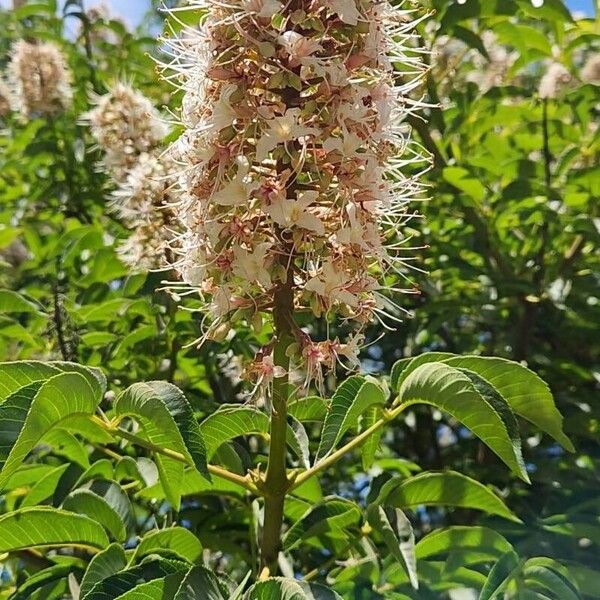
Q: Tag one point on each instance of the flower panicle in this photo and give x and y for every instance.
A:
(5, 98)
(125, 124)
(129, 130)
(40, 79)
(296, 162)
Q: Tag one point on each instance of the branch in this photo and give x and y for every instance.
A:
(138, 441)
(388, 416)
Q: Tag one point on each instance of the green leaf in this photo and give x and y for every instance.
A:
(311, 408)
(397, 533)
(331, 515)
(201, 584)
(444, 541)
(405, 366)
(114, 586)
(349, 402)
(586, 579)
(370, 447)
(47, 526)
(177, 540)
(167, 421)
(106, 503)
(14, 375)
(463, 180)
(470, 401)
(63, 443)
(235, 420)
(500, 576)
(551, 576)
(44, 488)
(13, 302)
(289, 589)
(32, 411)
(40, 579)
(442, 489)
(229, 422)
(527, 394)
(106, 563)
(158, 589)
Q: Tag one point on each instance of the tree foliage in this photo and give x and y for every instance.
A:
(132, 464)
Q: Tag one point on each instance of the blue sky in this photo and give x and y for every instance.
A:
(133, 10)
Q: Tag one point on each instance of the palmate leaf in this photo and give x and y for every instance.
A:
(40, 526)
(201, 584)
(105, 502)
(442, 489)
(470, 400)
(331, 515)
(349, 402)
(370, 447)
(164, 588)
(167, 421)
(35, 408)
(397, 533)
(234, 420)
(526, 393)
(289, 589)
(13, 302)
(405, 366)
(175, 540)
(549, 576)
(445, 541)
(41, 579)
(14, 375)
(104, 564)
(115, 586)
(311, 408)
(44, 487)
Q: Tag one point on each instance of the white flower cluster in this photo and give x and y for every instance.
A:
(5, 98)
(554, 80)
(297, 168)
(590, 73)
(125, 124)
(129, 129)
(39, 78)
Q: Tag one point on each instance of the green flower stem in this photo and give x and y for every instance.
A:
(138, 441)
(327, 462)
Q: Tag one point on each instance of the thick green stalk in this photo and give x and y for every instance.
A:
(276, 480)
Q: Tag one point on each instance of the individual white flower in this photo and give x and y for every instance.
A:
(299, 46)
(223, 113)
(289, 213)
(333, 285)
(280, 130)
(237, 191)
(252, 265)
(347, 11)
(263, 8)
